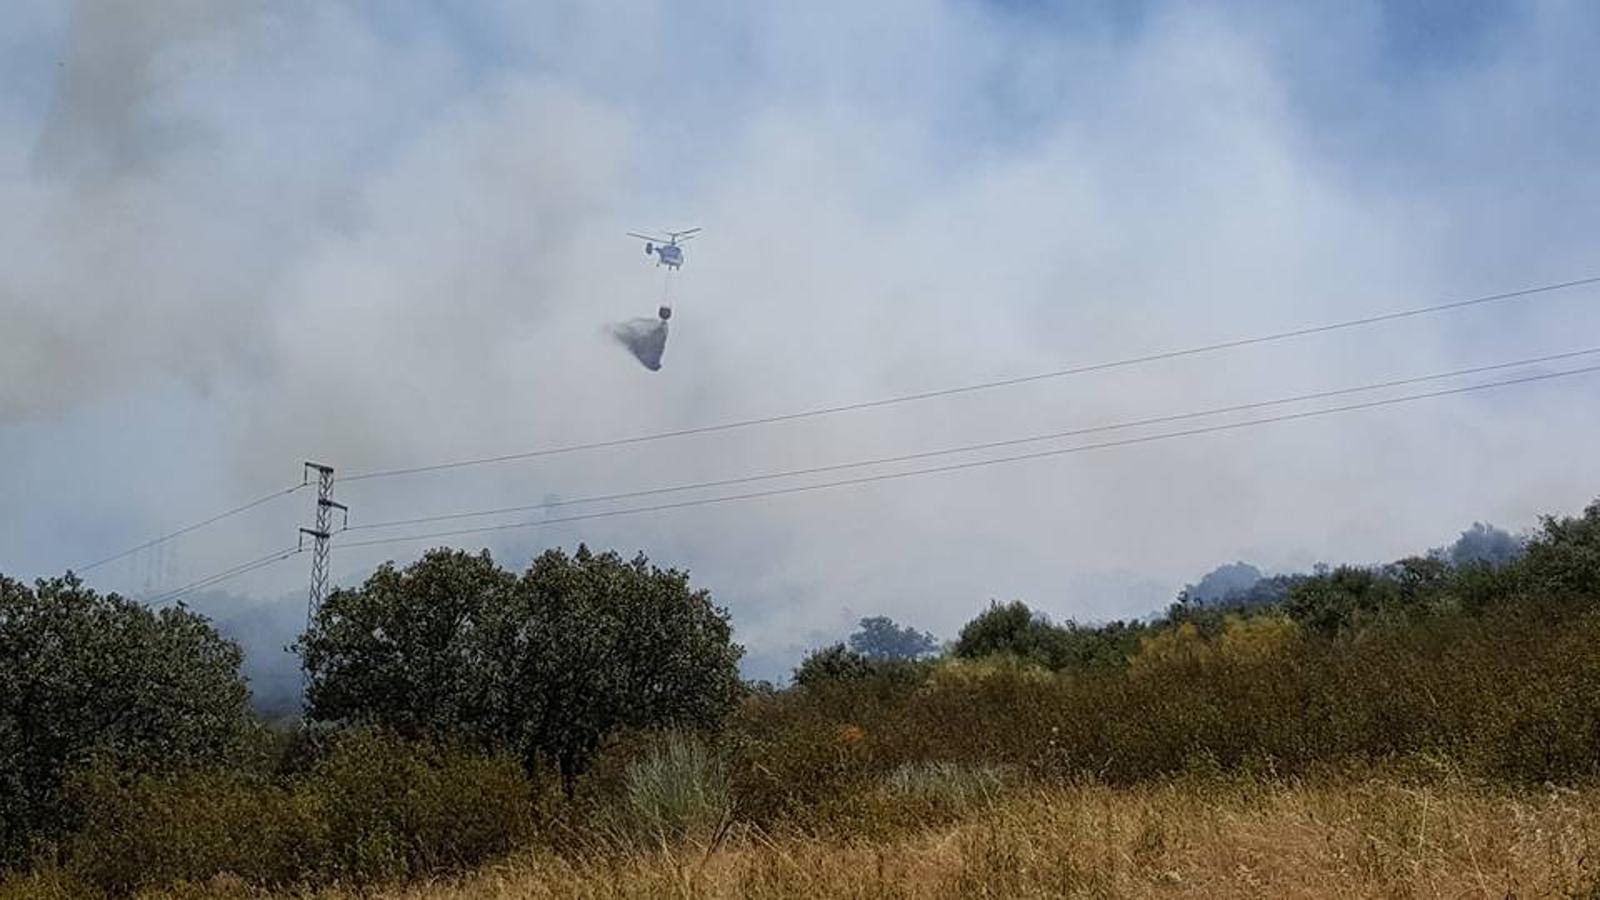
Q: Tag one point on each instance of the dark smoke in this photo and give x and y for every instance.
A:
(106, 117)
(1483, 543)
(646, 339)
(1224, 581)
(263, 630)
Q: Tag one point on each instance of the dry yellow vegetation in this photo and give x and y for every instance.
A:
(1374, 837)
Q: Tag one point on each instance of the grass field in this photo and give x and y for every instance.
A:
(1376, 836)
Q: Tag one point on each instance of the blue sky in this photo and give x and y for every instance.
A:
(238, 237)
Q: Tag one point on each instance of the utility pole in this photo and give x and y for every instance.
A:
(320, 535)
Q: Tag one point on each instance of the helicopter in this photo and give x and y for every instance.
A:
(666, 249)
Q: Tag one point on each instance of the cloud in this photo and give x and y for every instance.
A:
(380, 238)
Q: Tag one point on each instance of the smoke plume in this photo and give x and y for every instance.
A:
(236, 236)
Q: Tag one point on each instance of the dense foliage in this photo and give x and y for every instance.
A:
(1012, 629)
(368, 808)
(836, 661)
(592, 644)
(548, 664)
(399, 651)
(85, 676)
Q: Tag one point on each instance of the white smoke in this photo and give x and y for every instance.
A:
(309, 230)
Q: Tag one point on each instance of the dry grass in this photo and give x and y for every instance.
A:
(1377, 837)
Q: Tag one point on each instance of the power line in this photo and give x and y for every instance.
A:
(981, 386)
(970, 448)
(188, 528)
(954, 467)
(224, 575)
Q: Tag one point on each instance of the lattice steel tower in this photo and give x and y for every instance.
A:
(320, 535)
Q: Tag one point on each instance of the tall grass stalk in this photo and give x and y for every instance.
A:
(946, 786)
(679, 791)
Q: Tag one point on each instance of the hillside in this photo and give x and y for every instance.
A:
(1423, 727)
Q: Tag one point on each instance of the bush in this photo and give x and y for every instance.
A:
(1508, 694)
(1240, 642)
(836, 663)
(793, 751)
(956, 672)
(1014, 630)
(1563, 558)
(144, 831)
(375, 809)
(47, 884)
(1333, 602)
(1011, 629)
(396, 809)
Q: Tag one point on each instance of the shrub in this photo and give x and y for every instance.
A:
(1257, 640)
(376, 808)
(1013, 629)
(1332, 602)
(45, 884)
(1010, 629)
(152, 830)
(837, 663)
(1507, 693)
(791, 752)
(396, 809)
(1563, 558)
(971, 672)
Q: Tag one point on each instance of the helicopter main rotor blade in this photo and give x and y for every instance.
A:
(647, 237)
(680, 234)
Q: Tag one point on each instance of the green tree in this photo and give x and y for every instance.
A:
(89, 677)
(592, 644)
(549, 664)
(401, 651)
(1349, 596)
(1330, 602)
(1562, 559)
(1010, 629)
(880, 638)
(1107, 646)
